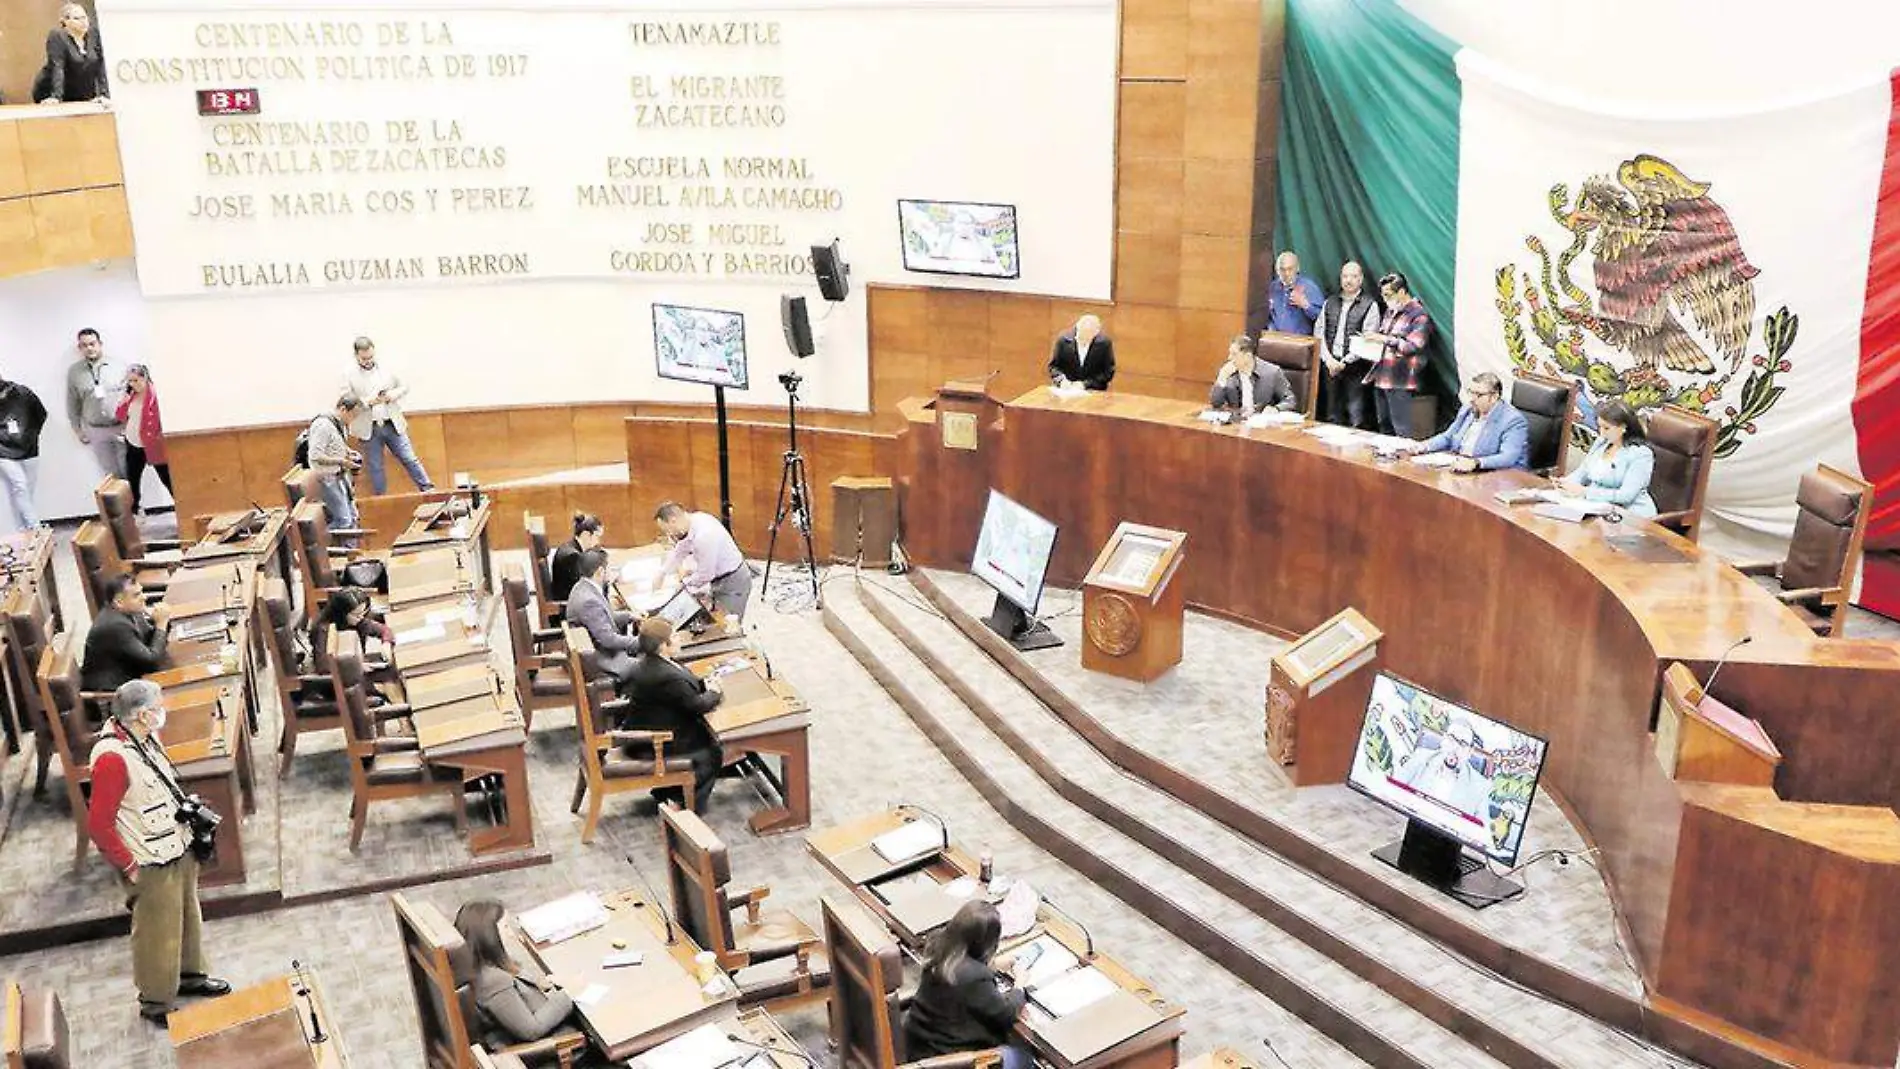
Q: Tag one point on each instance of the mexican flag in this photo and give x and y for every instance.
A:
(1746, 265)
(1717, 261)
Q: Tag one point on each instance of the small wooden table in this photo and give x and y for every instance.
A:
(431, 527)
(208, 741)
(267, 1026)
(481, 736)
(431, 575)
(1132, 1028)
(231, 536)
(641, 1005)
(764, 717)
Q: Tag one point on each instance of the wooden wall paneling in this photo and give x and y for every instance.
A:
(628, 522)
(541, 438)
(12, 163)
(1272, 38)
(69, 152)
(264, 455)
(958, 329)
(1218, 197)
(1148, 195)
(62, 224)
(208, 474)
(426, 437)
(1144, 342)
(1221, 119)
(1151, 120)
(111, 223)
(546, 500)
(1224, 38)
(600, 435)
(19, 241)
(1214, 273)
(1154, 39)
(1147, 268)
(477, 442)
(1201, 339)
(659, 459)
(1020, 340)
(1267, 117)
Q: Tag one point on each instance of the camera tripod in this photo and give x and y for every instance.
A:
(794, 495)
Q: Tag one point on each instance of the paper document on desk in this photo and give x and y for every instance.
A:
(1071, 390)
(419, 635)
(1074, 991)
(1273, 417)
(1435, 460)
(1054, 960)
(197, 627)
(705, 1047)
(644, 569)
(909, 842)
(1212, 415)
(564, 918)
(1018, 908)
(1570, 509)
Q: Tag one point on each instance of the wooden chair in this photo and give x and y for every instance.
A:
(319, 559)
(540, 567)
(1825, 551)
(485, 1060)
(540, 654)
(383, 767)
(613, 761)
(29, 625)
(300, 485)
(308, 700)
(33, 1031)
(866, 1007)
(1550, 407)
(99, 562)
(437, 960)
(1683, 443)
(770, 955)
(74, 729)
(1298, 356)
(113, 496)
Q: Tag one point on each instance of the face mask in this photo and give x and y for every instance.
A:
(155, 719)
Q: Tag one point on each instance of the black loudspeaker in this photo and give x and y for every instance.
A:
(797, 323)
(834, 275)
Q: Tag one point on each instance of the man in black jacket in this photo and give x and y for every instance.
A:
(666, 697)
(1083, 356)
(21, 417)
(126, 641)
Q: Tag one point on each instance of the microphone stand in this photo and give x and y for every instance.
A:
(1721, 663)
(303, 989)
(1088, 938)
(941, 824)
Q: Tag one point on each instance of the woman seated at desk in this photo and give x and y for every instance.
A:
(564, 565)
(965, 1002)
(1619, 465)
(520, 1009)
(347, 608)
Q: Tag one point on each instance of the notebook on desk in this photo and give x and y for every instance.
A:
(918, 902)
(909, 845)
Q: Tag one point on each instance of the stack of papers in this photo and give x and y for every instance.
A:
(642, 571)
(1273, 417)
(705, 1047)
(1435, 460)
(434, 632)
(564, 918)
(1055, 960)
(1558, 506)
(1076, 990)
(909, 842)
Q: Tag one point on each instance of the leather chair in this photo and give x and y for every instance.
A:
(867, 1010)
(540, 654)
(1825, 550)
(1298, 356)
(74, 727)
(113, 496)
(320, 560)
(308, 700)
(606, 766)
(383, 766)
(439, 973)
(99, 562)
(1550, 407)
(29, 624)
(774, 958)
(34, 1029)
(540, 567)
(1683, 443)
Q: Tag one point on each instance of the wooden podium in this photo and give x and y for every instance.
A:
(1131, 605)
(1317, 691)
(1700, 740)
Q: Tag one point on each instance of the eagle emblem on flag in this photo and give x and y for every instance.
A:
(1673, 313)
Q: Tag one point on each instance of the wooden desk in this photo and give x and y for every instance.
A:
(208, 741)
(1134, 1027)
(1561, 629)
(759, 718)
(482, 735)
(646, 1004)
(431, 575)
(232, 591)
(261, 1027)
(467, 531)
(268, 543)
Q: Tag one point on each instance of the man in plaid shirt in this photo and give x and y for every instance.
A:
(1402, 336)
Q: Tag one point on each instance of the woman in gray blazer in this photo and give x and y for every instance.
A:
(519, 1008)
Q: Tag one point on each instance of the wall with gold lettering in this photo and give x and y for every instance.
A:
(497, 193)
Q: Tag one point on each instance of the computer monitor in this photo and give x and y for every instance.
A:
(1013, 548)
(944, 237)
(702, 345)
(680, 609)
(1461, 779)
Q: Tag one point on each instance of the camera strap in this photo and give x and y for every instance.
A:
(165, 777)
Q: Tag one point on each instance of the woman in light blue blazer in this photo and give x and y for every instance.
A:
(1618, 467)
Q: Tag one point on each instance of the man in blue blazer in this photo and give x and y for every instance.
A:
(1488, 434)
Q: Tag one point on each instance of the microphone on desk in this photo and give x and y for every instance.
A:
(770, 1049)
(941, 824)
(653, 898)
(1088, 938)
(304, 989)
(1720, 663)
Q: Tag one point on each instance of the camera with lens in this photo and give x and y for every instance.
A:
(201, 823)
(791, 380)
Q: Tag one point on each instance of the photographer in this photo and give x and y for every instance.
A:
(330, 456)
(153, 834)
